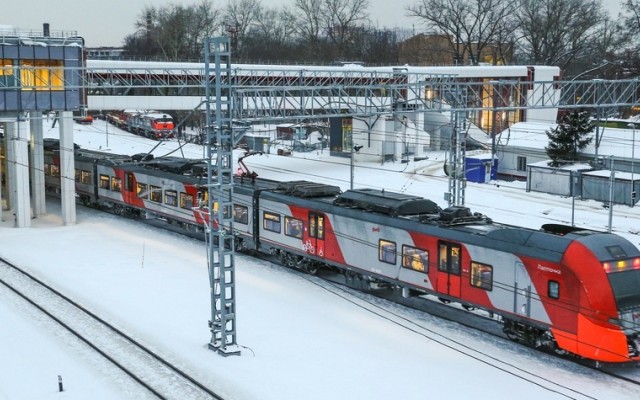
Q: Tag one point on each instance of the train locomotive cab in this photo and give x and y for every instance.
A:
(608, 325)
(624, 278)
(161, 125)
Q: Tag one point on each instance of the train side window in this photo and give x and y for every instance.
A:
(226, 212)
(77, 175)
(55, 170)
(554, 289)
(293, 227)
(155, 193)
(171, 198)
(104, 182)
(481, 275)
(240, 214)
(116, 184)
(142, 191)
(271, 222)
(387, 251)
(85, 177)
(186, 200)
(47, 169)
(415, 259)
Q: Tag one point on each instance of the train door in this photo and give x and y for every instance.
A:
(449, 261)
(522, 291)
(315, 245)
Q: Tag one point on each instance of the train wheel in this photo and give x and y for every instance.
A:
(291, 261)
(282, 256)
(444, 301)
(507, 329)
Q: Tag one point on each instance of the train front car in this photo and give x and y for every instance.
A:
(608, 324)
(160, 126)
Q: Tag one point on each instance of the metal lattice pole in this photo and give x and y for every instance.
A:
(221, 252)
(457, 152)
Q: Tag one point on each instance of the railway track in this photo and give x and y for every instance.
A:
(159, 377)
(384, 302)
(479, 321)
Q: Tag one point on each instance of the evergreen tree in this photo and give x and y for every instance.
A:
(571, 136)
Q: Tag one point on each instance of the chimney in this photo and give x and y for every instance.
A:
(45, 29)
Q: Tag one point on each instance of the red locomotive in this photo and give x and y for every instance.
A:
(150, 124)
(563, 288)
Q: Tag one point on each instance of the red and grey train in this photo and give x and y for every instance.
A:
(563, 288)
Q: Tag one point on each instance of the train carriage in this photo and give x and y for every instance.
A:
(567, 289)
(536, 280)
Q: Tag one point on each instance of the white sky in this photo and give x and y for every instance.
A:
(305, 343)
(106, 23)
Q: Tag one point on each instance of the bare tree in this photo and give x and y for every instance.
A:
(630, 28)
(205, 20)
(557, 32)
(173, 32)
(345, 22)
(240, 16)
(469, 25)
(330, 28)
(311, 20)
(273, 37)
(170, 30)
(631, 17)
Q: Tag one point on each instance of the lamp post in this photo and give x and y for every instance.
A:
(354, 149)
(612, 180)
(106, 130)
(633, 158)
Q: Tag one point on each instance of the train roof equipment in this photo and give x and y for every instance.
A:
(306, 189)
(384, 202)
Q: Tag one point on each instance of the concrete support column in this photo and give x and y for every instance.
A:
(67, 168)
(18, 165)
(37, 166)
(9, 173)
(3, 150)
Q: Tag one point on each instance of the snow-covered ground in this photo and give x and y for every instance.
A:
(299, 341)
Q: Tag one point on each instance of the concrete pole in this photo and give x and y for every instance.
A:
(37, 166)
(19, 159)
(67, 168)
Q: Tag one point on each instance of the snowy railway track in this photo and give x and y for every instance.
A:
(384, 303)
(158, 376)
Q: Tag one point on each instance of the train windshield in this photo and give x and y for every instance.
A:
(624, 276)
